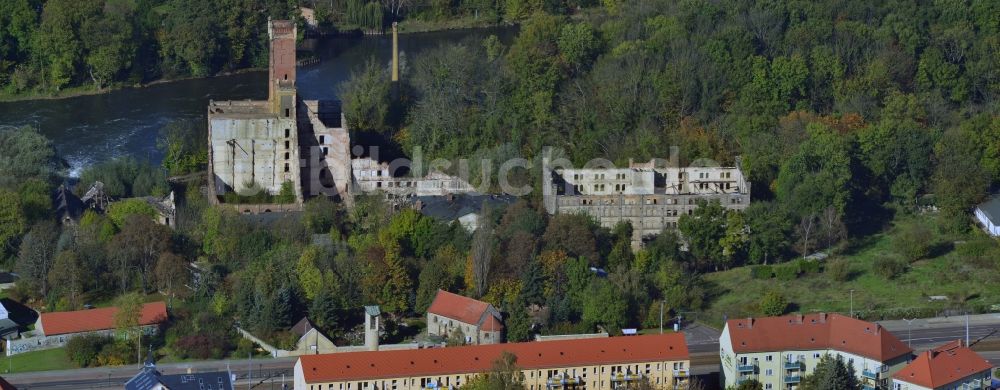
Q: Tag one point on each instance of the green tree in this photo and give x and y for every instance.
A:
(366, 98)
(604, 306)
(773, 304)
(703, 230)
(12, 219)
(736, 239)
(36, 256)
(66, 275)
(750, 384)
(324, 310)
(959, 180)
(572, 233)
(309, 274)
(770, 231)
(818, 174)
(119, 211)
(184, 148)
(26, 154)
(830, 374)
(127, 320)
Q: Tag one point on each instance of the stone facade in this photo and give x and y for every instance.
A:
(254, 145)
(652, 198)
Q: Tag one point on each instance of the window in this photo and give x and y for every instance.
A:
(288, 145)
(286, 155)
(288, 113)
(288, 133)
(286, 167)
(768, 358)
(322, 139)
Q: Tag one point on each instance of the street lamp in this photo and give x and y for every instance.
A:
(852, 303)
(909, 331)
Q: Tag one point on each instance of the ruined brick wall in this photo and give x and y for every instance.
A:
(282, 61)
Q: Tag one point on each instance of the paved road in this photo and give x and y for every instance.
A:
(702, 342)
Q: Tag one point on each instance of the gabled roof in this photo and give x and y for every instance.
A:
(992, 209)
(815, 331)
(943, 365)
(65, 322)
(4, 385)
(463, 309)
(349, 366)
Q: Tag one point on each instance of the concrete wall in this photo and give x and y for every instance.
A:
(253, 151)
(41, 342)
(325, 142)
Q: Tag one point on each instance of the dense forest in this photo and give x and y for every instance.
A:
(49, 45)
(847, 115)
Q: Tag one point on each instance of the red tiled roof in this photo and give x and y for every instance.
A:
(349, 366)
(64, 322)
(943, 365)
(815, 331)
(457, 307)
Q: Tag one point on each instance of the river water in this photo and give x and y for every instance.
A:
(89, 129)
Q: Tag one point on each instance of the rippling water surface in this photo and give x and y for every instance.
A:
(89, 129)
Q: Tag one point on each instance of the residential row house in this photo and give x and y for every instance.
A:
(599, 363)
(950, 366)
(779, 351)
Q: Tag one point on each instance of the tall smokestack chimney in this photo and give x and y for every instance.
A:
(395, 54)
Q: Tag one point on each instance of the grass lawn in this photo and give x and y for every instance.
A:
(49, 359)
(968, 280)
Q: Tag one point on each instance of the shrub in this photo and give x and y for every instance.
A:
(838, 269)
(888, 267)
(202, 346)
(84, 350)
(786, 272)
(808, 266)
(773, 304)
(761, 272)
(914, 242)
(117, 353)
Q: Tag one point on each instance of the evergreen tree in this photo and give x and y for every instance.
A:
(324, 310)
(831, 374)
(533, 285)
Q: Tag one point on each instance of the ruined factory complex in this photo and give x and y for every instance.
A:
(302, 148)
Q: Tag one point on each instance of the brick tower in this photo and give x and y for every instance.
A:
(281, 72)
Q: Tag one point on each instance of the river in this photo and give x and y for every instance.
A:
(93, 128)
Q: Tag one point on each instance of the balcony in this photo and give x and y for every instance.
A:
(620, 377)
(563, 380)
(680, 373)
(867, 387)
(869, 374)
(793, 365)
(745, 368)
(793, 379)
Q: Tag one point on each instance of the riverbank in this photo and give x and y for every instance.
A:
(88, 90)
(405, 27)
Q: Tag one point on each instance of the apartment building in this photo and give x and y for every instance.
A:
(950, 366)
(779, 351)
(600, 363)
